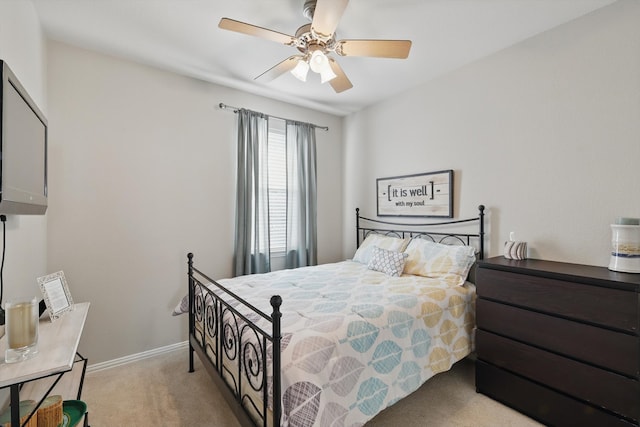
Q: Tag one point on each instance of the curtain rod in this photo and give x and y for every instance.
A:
(236, 109)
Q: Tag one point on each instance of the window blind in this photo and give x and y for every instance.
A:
(277, 186)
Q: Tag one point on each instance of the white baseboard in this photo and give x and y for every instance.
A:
(136, 357)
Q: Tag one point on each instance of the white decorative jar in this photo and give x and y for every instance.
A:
(513, 249)
(625, 241)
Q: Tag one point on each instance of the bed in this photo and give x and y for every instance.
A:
(354, 336)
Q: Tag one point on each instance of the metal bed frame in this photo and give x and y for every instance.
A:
(241, 349)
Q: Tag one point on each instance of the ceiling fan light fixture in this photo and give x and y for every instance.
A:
(327, 73)
(300, 70)
(318, 61)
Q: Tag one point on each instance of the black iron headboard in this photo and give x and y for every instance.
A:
(433, 230)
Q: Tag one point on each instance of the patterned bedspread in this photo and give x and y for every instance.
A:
(355, 341)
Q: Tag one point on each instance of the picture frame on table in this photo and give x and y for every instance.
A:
(57, 296)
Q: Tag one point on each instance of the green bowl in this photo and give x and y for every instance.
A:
(72, 412)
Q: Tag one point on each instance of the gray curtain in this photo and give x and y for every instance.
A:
(252, 203)
(301, 249)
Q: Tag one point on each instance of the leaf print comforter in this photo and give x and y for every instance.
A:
(355, 341)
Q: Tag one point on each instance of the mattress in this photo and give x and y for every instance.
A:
(355, 341)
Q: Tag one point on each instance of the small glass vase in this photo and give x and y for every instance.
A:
(21, 329)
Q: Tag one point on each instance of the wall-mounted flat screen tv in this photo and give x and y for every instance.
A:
(23, 149)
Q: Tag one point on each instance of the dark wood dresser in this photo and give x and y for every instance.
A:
(559, 342)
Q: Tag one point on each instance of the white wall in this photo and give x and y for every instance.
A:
(142, 172)
(22, 47)
(545, 133)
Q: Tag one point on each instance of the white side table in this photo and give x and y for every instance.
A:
(57, 346)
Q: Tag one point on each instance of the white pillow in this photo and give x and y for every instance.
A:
(448, 262)
(365, 251)
(390, 263)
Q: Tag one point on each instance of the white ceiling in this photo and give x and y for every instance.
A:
(183, 36)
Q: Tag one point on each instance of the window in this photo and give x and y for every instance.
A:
(277, 153)
(276, 194)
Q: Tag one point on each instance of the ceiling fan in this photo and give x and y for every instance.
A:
(316, 41)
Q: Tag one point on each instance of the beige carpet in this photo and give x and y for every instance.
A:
(160, 392)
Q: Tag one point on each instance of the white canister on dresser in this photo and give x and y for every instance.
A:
(625, 242)
(514, 249)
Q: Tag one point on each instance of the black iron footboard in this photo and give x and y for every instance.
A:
(234, 349)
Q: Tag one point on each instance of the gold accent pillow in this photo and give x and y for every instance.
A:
(435, 260)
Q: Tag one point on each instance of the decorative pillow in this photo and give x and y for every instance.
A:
(365, 251)
(390, 263)
(182, 307)
(448, 262)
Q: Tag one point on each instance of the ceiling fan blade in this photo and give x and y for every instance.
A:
(253, 30)
(340, 83)
(326, 17)
(376, 48)
(279, 69)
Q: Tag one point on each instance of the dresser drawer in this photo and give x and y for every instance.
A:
(612, 308)
(540, 402)
(616, 351)
(590, 384)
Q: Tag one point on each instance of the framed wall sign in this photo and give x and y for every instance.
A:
(425, 195)
(56, 294)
